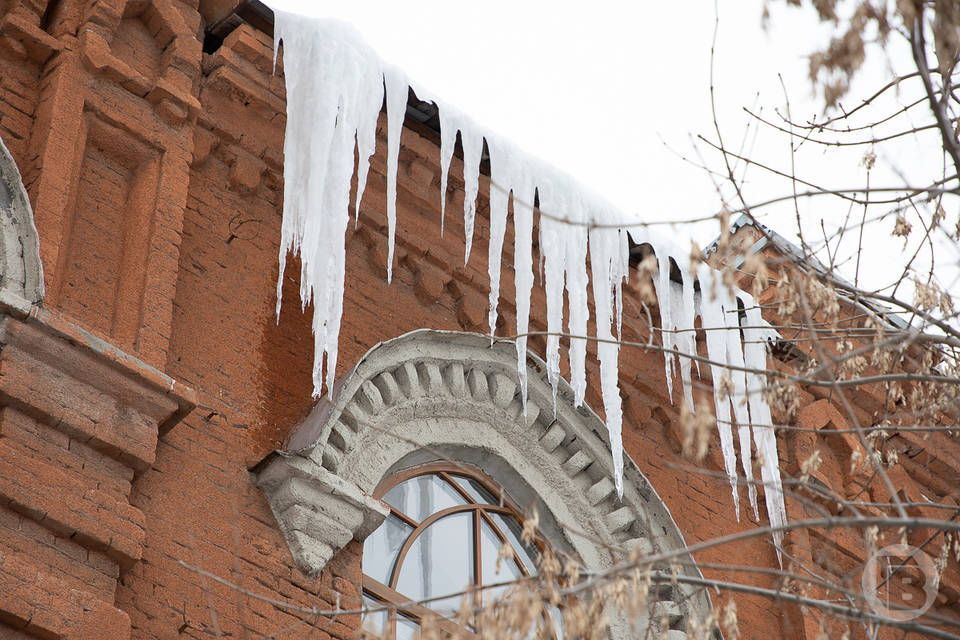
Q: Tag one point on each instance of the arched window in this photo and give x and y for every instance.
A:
(444, 534)
(430, 394)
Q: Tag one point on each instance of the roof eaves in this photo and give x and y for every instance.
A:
(792, 251)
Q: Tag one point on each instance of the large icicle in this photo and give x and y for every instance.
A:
(667, 324)
(713, 295)
(604, 249)
(331, 93)
(523, 194)
(686, 340)
(739, 398)
(579, 314)
(368, 112)
(501, 170)
(335, 90)
(472, 141)
(398, 88)
(755, 336)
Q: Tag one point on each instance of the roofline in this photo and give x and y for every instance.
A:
(789, 249)
(423, 116)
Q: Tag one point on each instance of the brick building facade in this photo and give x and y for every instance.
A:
(146, 383)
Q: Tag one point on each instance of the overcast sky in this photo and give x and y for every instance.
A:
(615, 92)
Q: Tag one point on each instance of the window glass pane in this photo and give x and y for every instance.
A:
(407, 629)
(381, 547)
(440, 562)
(477, 491)
(423, 496)
(376, 620)
(490, 545)
(509, 527)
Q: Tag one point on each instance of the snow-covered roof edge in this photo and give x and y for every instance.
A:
(807, 261)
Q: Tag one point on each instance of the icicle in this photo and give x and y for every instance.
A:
(501, 170)
(331, 91)
(604, 246)
(712, 295)
(667, 325)
(336, 199)
(576, 264)
(755, 357)
(523, 269)
(687, 339)
(739, 398)
(554, 255)
(472, 152)
(368, 114)
(398, 90)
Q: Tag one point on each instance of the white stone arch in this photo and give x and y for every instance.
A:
(433, 393)
(21, 274)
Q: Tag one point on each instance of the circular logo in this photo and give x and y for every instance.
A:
(894, 579)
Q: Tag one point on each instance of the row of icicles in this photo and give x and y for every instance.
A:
(336, 86)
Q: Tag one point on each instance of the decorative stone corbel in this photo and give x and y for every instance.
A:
(318, 512)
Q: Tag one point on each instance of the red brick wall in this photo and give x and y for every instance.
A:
(254, 375)
(203, 313)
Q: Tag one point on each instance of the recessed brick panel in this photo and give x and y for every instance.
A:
(107, 238)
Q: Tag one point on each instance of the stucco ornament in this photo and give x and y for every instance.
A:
(430, 394)
(21, 274)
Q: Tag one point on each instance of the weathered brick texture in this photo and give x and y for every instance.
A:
(155, 173)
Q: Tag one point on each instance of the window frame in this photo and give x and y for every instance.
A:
(447, 470)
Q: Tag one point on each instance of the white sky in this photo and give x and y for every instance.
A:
(613, 91)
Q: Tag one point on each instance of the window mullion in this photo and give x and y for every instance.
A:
(477, 559)
(404, 517)
(456, 487)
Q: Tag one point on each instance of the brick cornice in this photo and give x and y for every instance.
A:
(49, 336)
(79, 420)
